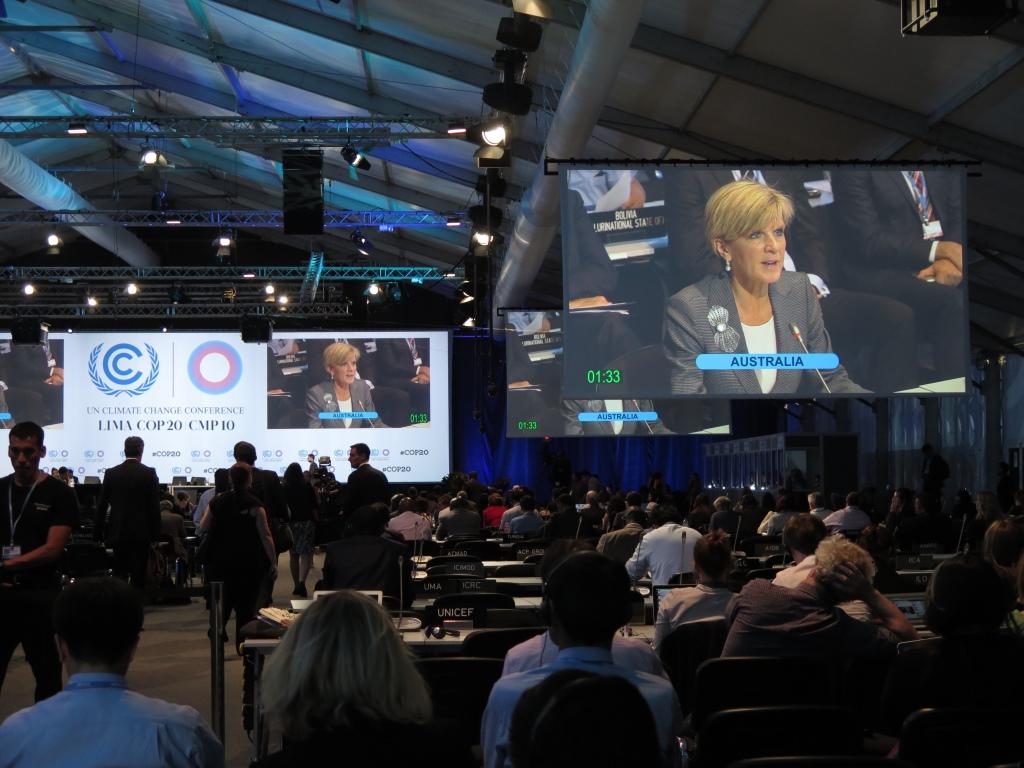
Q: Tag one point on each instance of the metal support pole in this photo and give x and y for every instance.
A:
(217, 659)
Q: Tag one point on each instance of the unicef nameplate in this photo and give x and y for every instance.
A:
(620, 416)
(336, 415)
(803, 361)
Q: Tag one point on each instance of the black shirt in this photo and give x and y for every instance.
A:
(51, 503)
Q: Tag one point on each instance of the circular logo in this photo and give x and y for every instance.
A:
(214, 367)
(123, 369)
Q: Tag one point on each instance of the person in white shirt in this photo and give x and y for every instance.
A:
(712, 561)
(665, 551)
(800, 537)
(412, 524)
(852, 518)
(816, 503)
(96, 721)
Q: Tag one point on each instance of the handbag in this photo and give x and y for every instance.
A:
(282, 535)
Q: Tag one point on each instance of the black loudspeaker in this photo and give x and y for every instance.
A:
(29, 332)
(519, 32)
(257, 330)
(303, 191)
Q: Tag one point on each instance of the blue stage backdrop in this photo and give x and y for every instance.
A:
(480, 443)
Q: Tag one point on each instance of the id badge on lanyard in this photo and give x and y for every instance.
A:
(931, 230)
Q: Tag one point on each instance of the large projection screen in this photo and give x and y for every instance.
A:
(843, 281)
(533, 364)
(192, 396)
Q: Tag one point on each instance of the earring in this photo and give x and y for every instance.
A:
(728, 266)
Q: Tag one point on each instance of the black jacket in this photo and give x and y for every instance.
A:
(132, 493)
(368, 562)
(366, 485)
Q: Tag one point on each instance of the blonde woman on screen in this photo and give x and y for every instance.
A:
(343, 393)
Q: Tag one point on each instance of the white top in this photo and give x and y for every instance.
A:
(761, 341)
(345, 406)
(663, 553)
(629, 652)
(613, 406)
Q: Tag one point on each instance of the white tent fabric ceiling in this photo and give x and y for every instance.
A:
(715, 79)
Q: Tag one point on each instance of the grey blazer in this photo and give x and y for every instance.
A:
(321, 399)
(689, 333)
(571, 409)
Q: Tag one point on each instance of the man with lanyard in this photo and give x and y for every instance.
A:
(35, 523)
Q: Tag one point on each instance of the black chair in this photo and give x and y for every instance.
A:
(495, 643)
(758, 546)
(822, 761)
(684, 578)
(513, 618)
(444, 565)
(762, 681)
(762, 573)
(961, 738)
(459, 689)
(533, 559)
(737, 734)
(685, 649)
(482, 550)
(85, 558)
(528, 549)
(516, 569)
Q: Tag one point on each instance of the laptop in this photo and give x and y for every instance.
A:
(912, 604)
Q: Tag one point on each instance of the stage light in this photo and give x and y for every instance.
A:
(173, 220)
(363, 245)
(394, 292)
(452, 221)
(163, 329)
(482, 216)
(354, 158)
(493, 157)
(224, 240)
(469, 322)
(517, 31)
(131, 289)
(91, 301)
(177, 295)
(28, 289)
(373, 289)
(482, 237)
(510, 94)
(53, 244)
(77, 129)
(466, 298)
(282, 299)
(494, 133)
(248, 275)
(456, 129)
(269, 289)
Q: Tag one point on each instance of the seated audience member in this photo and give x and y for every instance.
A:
(768, 620)
(587, 598)
(342, 687)
(528, 523)
(901, 508)
(1003, 546)
(565, 522)
(665, 551)
(514, 510)
(493, 511)
(458, 520)
(96, 720)
(700, 513)
(987, 512)
(927, 526)
(972, 665)
(616, 505)
(172, 527)
(409, 523)
(366, 559)
(590, 516)
(621, 544)
(634, 503)
(552, 725)
(629, 652)
(725, 517)
(712, 561)
(775, 520)
(851, 518)
(750, 514)
(801, 536)
(816, 505)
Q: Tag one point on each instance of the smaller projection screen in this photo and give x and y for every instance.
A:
(192, 396)
(534, 351)
(763, 281)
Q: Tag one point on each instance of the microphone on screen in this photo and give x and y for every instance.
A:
(636, 405)
(795, 330)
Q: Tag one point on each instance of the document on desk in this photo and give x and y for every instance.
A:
(616, 308)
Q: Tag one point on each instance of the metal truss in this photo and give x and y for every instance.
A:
(221, 274)
(65, 312)
(243, 219)
(293, 131)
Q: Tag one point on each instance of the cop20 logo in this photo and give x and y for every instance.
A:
(121, 370)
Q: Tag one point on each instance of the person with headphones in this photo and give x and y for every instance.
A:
(586, 600)
(629, 652)
(801, 536)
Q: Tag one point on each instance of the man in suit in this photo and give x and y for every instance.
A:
(368, 559)
(870, 333)
(132, 493)
(365, 485)
(266, 486)
(934, 470)
(905, 230)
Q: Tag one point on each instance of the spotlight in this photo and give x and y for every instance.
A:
(248, 275)
(519, 32)
(373, 289)
(131, 289)
(469, 322)
(53, 244)
(482, 237)
(269, 289)
(28, 289)
(224, 240)
(452, 221)
(494, 133)
(354, 158)
(77, 129)
(394, 292)
(510, 95)
(282, 299)
(493, 157)
(363, 245)
(91, 301)
(466, 298)
(456, 129)
(173, 220)
(152, 158)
